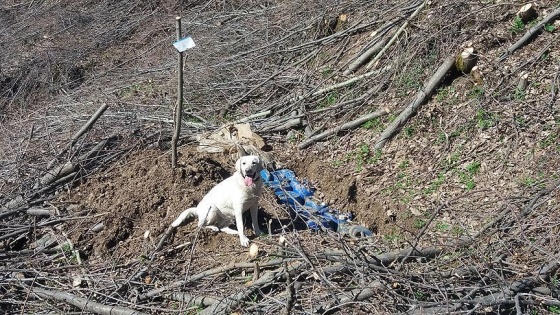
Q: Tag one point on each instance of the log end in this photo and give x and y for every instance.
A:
(476, 76)
(466, 60)
(527, 13)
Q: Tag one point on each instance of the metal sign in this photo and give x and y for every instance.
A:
(184, 44)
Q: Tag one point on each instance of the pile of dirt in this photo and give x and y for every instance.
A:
(138, 198)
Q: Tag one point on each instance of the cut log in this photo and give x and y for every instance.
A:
(420, 98)
(87, 126)
(523, 82)
(190, 299)
(352, 124)
(39, 211)
(85, 304)
(292, 123)
(466, 60)
(476, 76)
(530, 33)
(527, 13)
(57, 173)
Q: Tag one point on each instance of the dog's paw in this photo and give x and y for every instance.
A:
(212, 228)
(177, 222)
(244, 241)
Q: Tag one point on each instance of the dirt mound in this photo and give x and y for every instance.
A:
(137, 199)
(140, 197)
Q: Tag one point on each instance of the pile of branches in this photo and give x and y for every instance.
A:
(313, 68)
(269, 78)
(503, 268)
(278, 66)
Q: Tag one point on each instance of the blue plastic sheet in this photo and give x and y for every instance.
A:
(299, 196)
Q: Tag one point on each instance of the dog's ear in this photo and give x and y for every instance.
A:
(260, 164)
(238, 165)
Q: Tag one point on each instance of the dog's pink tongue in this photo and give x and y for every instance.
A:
(248, 181)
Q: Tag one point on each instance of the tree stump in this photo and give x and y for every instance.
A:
(527, 13)
(466, 60)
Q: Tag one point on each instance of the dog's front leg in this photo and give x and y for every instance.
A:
(239, 223)
(255, 220)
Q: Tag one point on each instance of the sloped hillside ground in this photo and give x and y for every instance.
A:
(463, 201)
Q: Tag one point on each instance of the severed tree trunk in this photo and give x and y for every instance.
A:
(85, 304)
(527, 13)
(420, 99)
(466, 60)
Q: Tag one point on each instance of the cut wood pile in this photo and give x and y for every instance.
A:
(444, 114)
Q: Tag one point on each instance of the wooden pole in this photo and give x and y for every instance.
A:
(179, 105)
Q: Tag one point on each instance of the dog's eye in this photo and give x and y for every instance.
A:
(244, 163)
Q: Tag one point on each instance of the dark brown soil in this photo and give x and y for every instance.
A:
(137, 199)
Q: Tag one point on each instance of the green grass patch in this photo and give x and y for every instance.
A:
(419, 223)
(409, 132)
(445, 94)
(485, 119)
(404, 164)
(476, 92)
(549, 28)
(326, 72)
(374, 124)
(518, 94)
(329, 100)
(466, 177)
(517, 26)
(394, 237)
(363, 156)
(434, 185)
(411, 80)
(442, 226)
(550, 140)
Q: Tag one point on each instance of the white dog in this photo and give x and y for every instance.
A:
(230, 199)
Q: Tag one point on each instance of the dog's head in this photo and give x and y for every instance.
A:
(249, 167)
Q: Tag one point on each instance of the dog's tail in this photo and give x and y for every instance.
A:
(189, 213)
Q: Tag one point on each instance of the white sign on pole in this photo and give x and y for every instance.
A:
(184, 44)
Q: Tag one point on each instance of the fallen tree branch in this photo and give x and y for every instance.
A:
(290, 291)
(228, 304)
(254, 116)
(409, 253)
(529, 34)
(57, 173)
(418, 101)
(381, 41)
(165, 236)
(48, 223)
(210, 272)
(527, 284)
(397, 34)
(190, 299)
(85, 304)
(294, 122)
(345, 83)
(81, 132)
(349, 125)
(355, 295)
